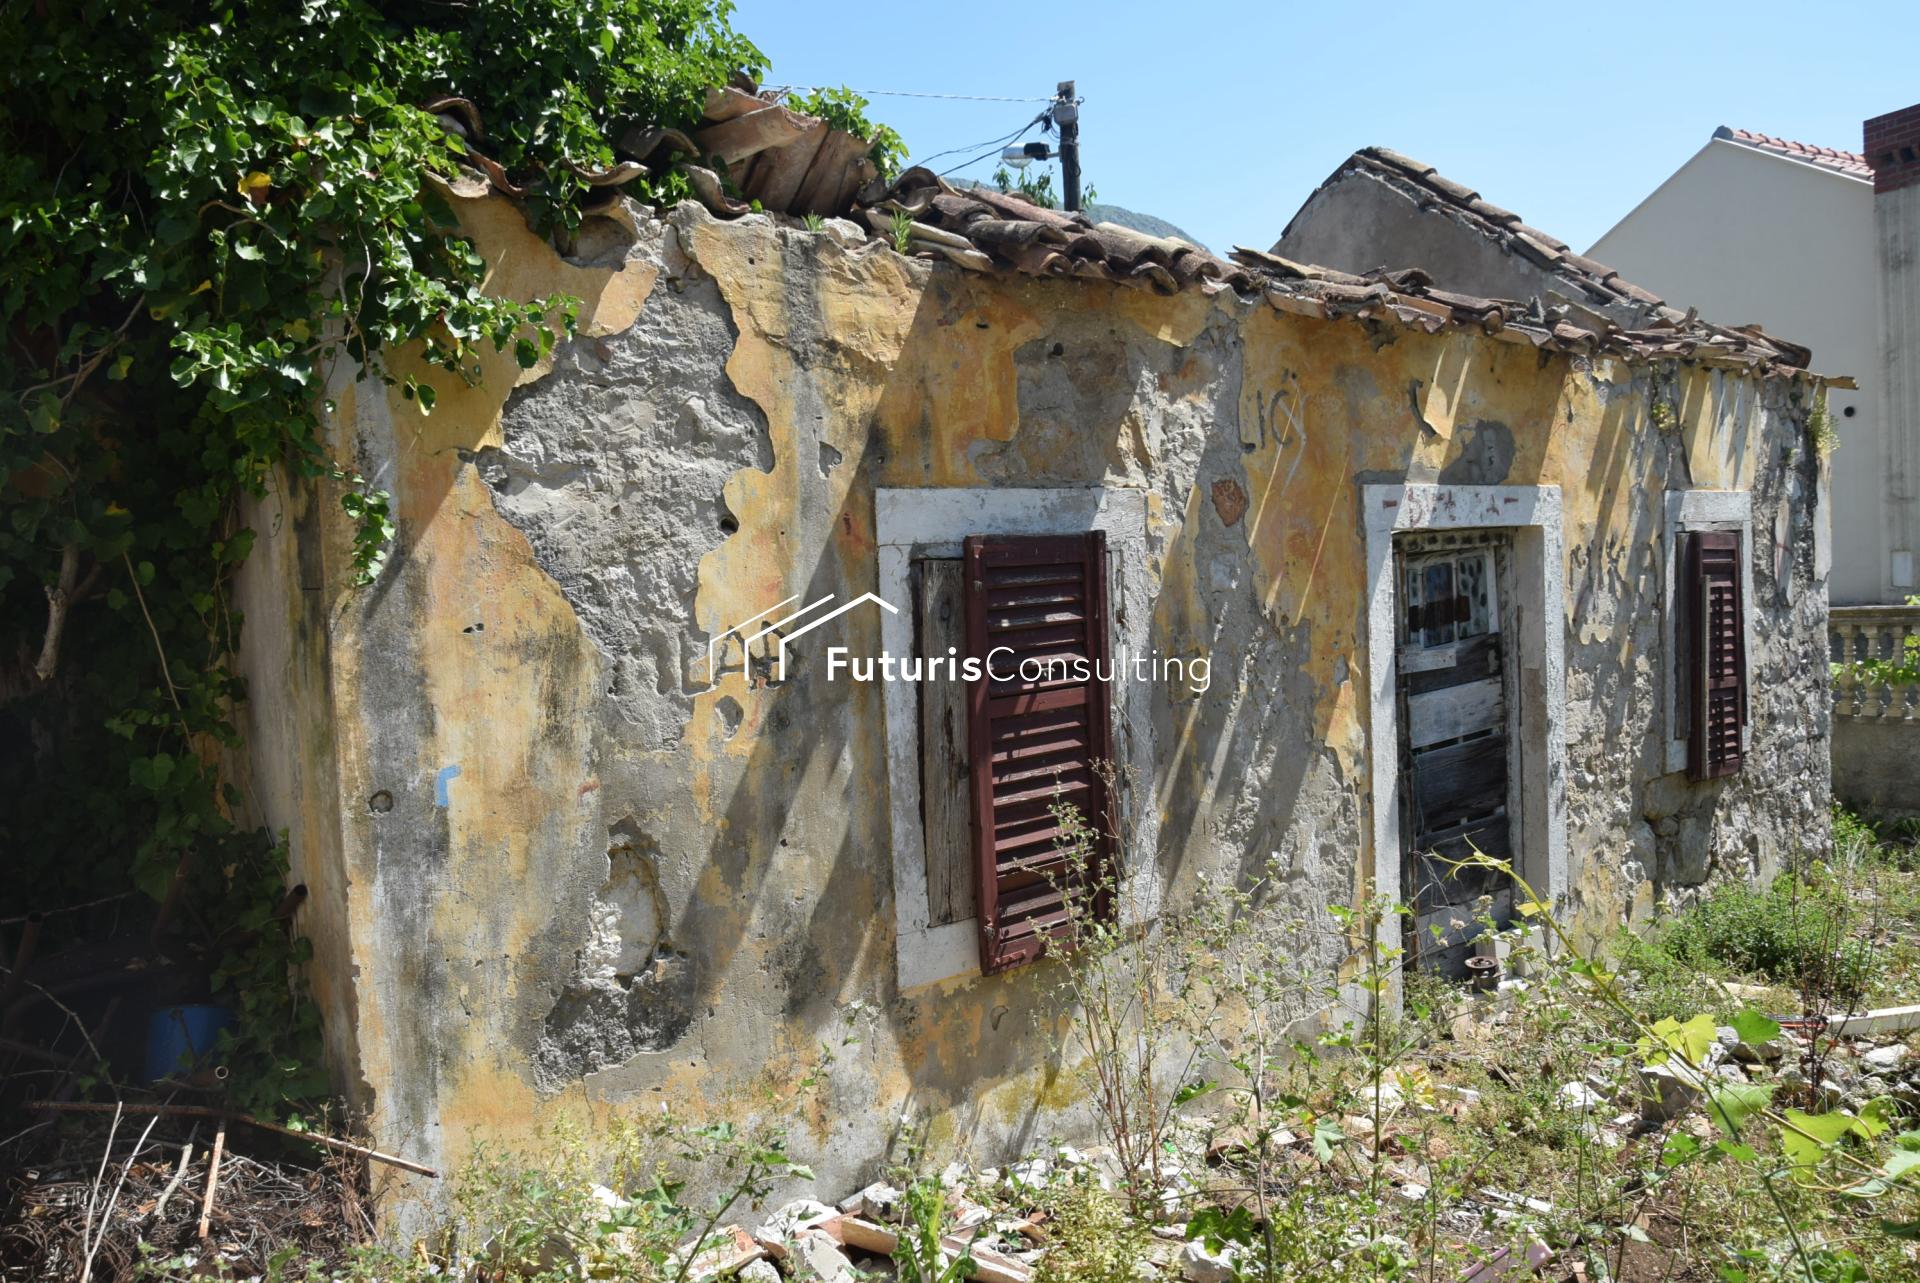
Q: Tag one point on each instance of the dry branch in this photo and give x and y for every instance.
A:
(227, 1115)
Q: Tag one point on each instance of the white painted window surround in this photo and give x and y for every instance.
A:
(919, 523)
(1531, 515)
(1689, 510)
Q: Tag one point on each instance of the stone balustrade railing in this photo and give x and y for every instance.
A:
(1856, 633)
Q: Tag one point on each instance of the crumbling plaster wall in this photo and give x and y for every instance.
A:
(570, 871)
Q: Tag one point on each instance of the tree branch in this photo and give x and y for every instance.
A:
(60, 599)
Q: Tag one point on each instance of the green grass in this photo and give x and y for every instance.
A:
(1782, 933)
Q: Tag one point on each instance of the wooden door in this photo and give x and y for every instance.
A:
(1453, 742)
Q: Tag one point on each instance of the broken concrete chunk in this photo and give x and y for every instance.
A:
(1667, 1091)
(1198, 1265)
(877, 1202)
(846, 231)
(1882, 1060)
(790, 1219)
(1029, 1172)
(815, 1256)
(1765, 1054)
(1579, 1096)
(730, 1250)
(761, 1271)
(1885, 1020)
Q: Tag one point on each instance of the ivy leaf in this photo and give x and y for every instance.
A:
(1679, 1148)
(1756, 1029)
(1730, 1104)
(1806, 1138)
(1326, 1134)
(1875, 1117)
(1899, 1163)
(1214, 1229)
(1193, 1090)
(1690, 1040)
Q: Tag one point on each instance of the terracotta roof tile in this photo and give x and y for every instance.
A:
(1019, 238)
(1846, 162)
(783, 159)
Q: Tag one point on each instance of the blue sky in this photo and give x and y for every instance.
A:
(1221, 117)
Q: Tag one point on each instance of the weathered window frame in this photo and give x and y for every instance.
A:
(920, 523)
(1689, 511)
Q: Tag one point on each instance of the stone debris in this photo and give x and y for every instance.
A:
(761, 1271)
(1198, 1265)
(807, 1241)
(1580, 1097)
(817, 1256)
(877, 1202)
(1668, 1090)
(1884, 1060)
(1885, 1020)
(778, 1231)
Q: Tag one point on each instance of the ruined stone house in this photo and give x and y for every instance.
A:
(594, 817)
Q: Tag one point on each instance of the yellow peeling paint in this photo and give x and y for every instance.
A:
(908, 376)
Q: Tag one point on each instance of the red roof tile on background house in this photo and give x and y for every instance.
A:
(1847, 162)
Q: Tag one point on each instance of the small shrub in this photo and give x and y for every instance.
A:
(921, 1255)
(900, 231)
(1091, 1237)
(845, 110)
(1787, 933)
(1855, 843)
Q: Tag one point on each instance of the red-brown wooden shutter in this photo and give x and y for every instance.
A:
(1718, 667)
(1036, 745)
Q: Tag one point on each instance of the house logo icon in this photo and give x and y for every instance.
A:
(782, 638)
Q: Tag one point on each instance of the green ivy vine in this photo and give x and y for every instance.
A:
(205, 210)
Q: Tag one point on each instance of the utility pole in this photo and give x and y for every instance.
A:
(1066, 114)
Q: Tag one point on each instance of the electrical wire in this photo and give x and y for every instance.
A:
(988, 148)
(906, 93)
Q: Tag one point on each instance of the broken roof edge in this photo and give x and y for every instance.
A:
(985, 230)
(992, 232)
(1601, 301)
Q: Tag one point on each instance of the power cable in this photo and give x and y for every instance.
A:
(906, 93)
(987, 154)
(985, 148)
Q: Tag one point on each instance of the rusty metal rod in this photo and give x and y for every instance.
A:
(209, 1111)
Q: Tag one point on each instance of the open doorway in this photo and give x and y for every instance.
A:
(1453, 688)
(1509, 538)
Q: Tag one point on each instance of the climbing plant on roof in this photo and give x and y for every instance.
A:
(207, 212)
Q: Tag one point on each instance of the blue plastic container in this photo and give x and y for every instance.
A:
(179, 1039)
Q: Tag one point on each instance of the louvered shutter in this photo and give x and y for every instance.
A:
(1036, 745)
(1718, 666)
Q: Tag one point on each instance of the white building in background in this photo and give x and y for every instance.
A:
(1760, 229)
